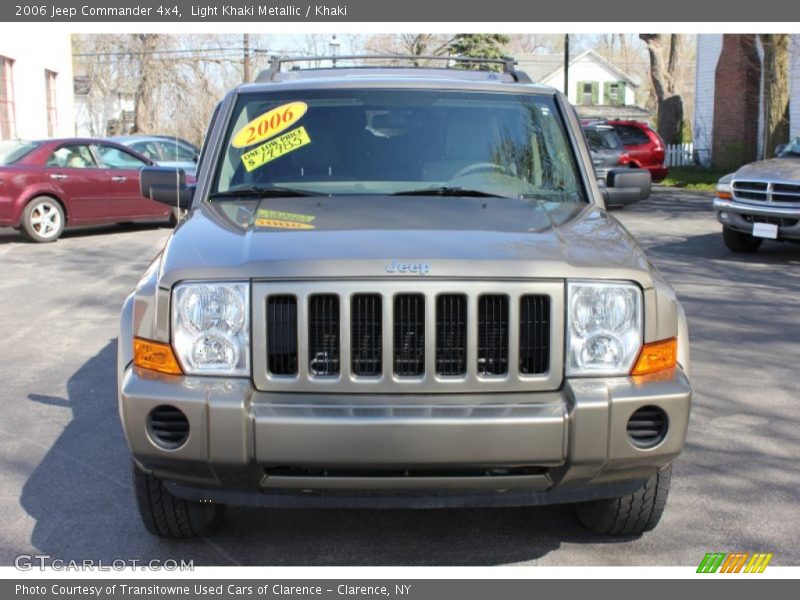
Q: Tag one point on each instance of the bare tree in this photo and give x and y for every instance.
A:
(776, 90)
(665, 54)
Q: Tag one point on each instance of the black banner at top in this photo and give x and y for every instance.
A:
(467, 11)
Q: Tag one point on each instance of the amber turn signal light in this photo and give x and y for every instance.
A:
(155, 356)
(724, 195)
(656, 356)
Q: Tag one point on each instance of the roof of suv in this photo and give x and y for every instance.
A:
(349, 76)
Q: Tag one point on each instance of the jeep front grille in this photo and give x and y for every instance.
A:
(282, 335)
(410, 336)
(534, 334)
(451, 334)
(366, 339)
(323, 334)
(493, 335)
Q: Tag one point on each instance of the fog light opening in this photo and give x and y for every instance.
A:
(647, 427)
(168, 427)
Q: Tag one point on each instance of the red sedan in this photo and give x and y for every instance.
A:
(48, 185)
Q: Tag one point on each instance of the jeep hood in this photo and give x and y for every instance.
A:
(359, 236)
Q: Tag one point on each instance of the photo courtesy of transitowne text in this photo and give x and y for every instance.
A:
(367, 299)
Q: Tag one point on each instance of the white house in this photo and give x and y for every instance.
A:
(729, 109)
(36, 96)
(593, 80)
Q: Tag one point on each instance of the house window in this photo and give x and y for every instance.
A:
(8, 127)
(587, 95)
(613, 93)
(50, 92)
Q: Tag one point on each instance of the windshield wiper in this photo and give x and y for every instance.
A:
(262, 191)
(449, 191)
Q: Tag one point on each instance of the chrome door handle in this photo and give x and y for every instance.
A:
(119, 179)
(58, 177)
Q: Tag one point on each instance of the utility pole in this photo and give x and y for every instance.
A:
(246, 59)
(566, 64)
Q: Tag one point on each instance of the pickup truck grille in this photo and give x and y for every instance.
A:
(763, 191)
(354, 337)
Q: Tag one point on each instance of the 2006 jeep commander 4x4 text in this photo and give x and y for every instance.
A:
(398, 287)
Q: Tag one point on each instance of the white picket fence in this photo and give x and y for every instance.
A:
(679, 155)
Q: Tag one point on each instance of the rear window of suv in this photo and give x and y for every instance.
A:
(631, 135)
(367, 141)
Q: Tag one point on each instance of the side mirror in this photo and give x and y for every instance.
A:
(626, 186)
(166, 185)
(779, 149)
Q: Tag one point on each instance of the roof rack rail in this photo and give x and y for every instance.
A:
(508, 63)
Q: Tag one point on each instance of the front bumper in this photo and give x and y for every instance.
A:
(251, 447)
(741, 216)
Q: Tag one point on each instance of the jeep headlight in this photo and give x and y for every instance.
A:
(604, 327)
(211, 327)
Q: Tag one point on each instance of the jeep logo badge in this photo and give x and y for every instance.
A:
(413, 268)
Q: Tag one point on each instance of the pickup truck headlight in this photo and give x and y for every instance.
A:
(604, 327)
(211, 327)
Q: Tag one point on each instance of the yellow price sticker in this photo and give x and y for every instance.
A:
(278, 224)
(281, 145)
(269, 124)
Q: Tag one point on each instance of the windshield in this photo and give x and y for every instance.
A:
(336, 142)
(12, 151)
(602, 138)
(792, 149)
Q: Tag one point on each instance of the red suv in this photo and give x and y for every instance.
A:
(644, 146)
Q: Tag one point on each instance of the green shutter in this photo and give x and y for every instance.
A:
(621, 101)
(606, 93)
(595, 93)
(579, 95)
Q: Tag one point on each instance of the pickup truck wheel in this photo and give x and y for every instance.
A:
(736, 241)
(628, 515)
(166, 516)
(42, 220)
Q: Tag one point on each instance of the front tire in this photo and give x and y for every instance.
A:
(633, 514)
(169, 517)
(42, 220)
(739, 242)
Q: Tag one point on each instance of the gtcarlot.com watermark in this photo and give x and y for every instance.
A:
(42, 562)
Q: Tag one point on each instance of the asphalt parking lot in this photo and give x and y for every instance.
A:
(64, 466)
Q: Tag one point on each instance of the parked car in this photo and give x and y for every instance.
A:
(644, 146)
(761, 201)
(606, 148)
(400, 289)
(163, 150)
(48, 185)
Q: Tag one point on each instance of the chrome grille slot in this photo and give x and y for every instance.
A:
(323, 335)
(366, 339)
(534, 334)
(409, 335)
(451, 334)
(282, 335)
(412, 336)
(785, 192)
(750, 190)
(493, 335)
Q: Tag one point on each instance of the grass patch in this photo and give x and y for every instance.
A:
(693, 178)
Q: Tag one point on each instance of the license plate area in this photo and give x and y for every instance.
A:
(765, 230)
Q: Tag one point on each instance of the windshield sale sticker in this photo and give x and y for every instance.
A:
(269, 124)
(275, 148)
(283, 220)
